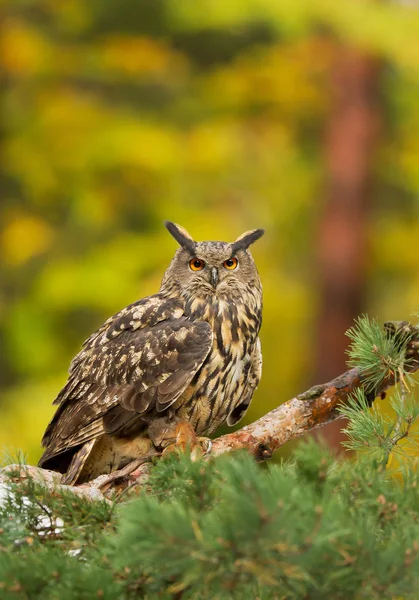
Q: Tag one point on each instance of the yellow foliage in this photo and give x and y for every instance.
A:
(23, 49)
(24, 237)
(133, 56)
(282, 77)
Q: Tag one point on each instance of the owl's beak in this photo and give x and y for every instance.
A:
(214, 277)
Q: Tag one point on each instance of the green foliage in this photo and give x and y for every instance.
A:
(381, 355)
(182, 479)
(378, 433)
(274, 532)
(378, 356)
(48, 545)
(310, 527)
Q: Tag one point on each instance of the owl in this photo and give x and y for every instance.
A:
(171, 366)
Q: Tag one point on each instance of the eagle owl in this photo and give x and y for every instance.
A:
(189, 354)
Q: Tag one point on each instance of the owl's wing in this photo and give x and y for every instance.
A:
(253, 378)
(141, 359)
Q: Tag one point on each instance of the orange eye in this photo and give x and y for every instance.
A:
(196, 264)
(231, 263)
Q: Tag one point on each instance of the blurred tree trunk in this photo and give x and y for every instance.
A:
(351, 136)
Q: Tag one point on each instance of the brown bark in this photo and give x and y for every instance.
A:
(351, 136)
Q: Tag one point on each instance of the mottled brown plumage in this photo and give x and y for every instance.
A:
(189, 354)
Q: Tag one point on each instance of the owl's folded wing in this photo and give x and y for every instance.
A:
(140, 360)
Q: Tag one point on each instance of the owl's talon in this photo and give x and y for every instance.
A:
(186, 438)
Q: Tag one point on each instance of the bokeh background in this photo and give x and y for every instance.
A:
(301, 117)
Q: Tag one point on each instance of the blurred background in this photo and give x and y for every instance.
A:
(300, 117)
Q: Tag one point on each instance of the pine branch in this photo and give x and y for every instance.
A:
(319, 405)
(312, 409)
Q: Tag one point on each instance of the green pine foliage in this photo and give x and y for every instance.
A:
(380, 355)
(376, 354)
(312, 527)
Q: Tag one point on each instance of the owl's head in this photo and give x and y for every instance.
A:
(205, 269)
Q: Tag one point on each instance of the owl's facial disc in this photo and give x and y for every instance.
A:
(211, 268)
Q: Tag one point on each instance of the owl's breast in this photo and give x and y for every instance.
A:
(219, 384)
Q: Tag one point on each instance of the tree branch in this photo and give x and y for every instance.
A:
(311, 409)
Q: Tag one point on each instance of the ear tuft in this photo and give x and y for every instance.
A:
(247, 238)
(181, 236)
